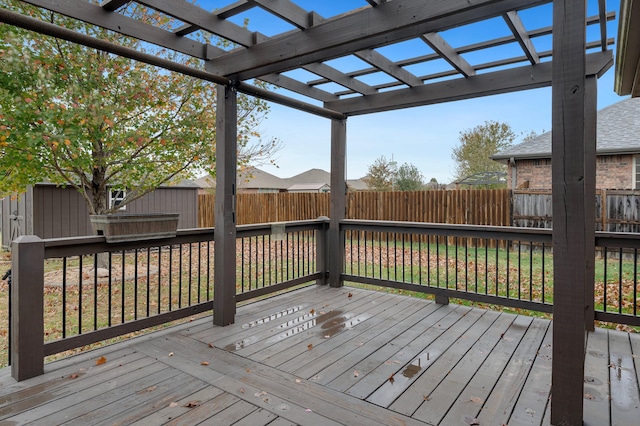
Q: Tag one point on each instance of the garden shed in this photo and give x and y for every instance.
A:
(50, 211)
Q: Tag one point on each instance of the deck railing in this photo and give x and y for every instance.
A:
(96, 291)
(151, 283)
(504, 266)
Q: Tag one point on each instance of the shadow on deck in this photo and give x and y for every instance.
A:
(331, 356)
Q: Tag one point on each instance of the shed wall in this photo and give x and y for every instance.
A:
(53, 212)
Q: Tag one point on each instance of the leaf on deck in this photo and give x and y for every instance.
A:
(101, 360)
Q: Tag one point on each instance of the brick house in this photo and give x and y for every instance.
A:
(618, 152)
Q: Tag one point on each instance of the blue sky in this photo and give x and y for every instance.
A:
(422, 136)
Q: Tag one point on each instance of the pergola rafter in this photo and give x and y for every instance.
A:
(311, 41)
(317, 39)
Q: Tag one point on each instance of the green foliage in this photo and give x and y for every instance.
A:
(477, 145)
(381, 174)
(408, 178)
(72, 115)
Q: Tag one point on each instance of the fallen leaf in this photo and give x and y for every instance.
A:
(74, 376)
(265, 400)
(312, 311)
(530, 411)
(472, 421)
(242, 390)
(204, 363)
(149, 389)
(173, 404)
(259, 394)
(426, 397)
(192, 404)
(310, 346)
(476, 400)
(170, 353)
(101, 360)
(391, 379)
(298, 381)
(211, 345)
(327, 336)
(308, 410)
(248, 370)
(356, 373)
(350, 295)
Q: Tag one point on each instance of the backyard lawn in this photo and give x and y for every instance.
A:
(147, 282)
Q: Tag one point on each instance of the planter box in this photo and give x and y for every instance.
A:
(135, 227)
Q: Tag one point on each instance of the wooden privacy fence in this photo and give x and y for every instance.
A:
(474, 207)
(616, 210)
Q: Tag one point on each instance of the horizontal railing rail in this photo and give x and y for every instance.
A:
(93, 291)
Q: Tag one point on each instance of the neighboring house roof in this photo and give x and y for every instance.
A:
(357, 184)
(251, 178)
(308, 186)
(618, 133)
(311, 176)
(254, 178)
(205, 182)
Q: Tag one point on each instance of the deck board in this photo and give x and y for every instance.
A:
(472, 398)
(278, 366)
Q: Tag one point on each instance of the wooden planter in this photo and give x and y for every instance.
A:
(135, 227)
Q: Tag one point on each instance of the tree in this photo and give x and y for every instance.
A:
(79, 117)
(381, 174)
(477, 145)
(408, 178)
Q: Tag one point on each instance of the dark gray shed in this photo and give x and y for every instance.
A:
(49, 211)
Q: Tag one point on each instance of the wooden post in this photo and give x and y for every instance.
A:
(338, 201)
(570, 231)
(590, 131)
(322, 249)
(224, 273)
(27, 307)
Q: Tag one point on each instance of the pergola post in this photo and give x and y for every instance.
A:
(571, 230)
(338, 200)
(590, 140)
(224, 273)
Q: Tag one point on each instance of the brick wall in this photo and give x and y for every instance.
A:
(612, 172)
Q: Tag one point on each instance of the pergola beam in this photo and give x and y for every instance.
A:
(96, 15)
(336, 76)
(517, 28)
(506, 81)
(286, 10)
(28, 23)
(387, 23)
(195, 15)
(448, 53)
(383, 64)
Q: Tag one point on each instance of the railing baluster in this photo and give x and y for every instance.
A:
(80, 295)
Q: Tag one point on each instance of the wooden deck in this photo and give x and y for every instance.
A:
(326, 356)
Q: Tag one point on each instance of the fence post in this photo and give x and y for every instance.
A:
(27, 303)
(321, 249)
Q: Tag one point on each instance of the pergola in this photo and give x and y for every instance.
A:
(571, 68)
